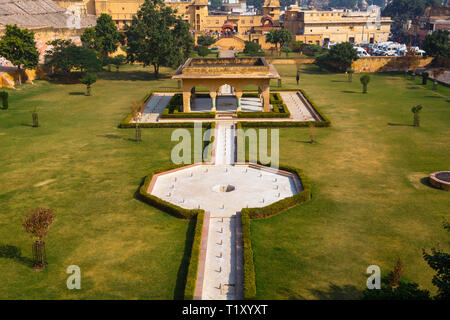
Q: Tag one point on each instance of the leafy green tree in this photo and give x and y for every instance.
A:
(252, 48)
(205, 41)
(342, 55)
(18, 46)
(439, 261)
(118, 61)
(88, 38)
(88, 79)
(436, 44)
(402, 10)
(425, 76)
(365, 79)
(203, 51)
(279, 36)
(416, 111)
(158, 37)
(103, 38)
(286, 50)
(65, 57)
(215, 4)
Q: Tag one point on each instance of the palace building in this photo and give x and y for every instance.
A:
(234, 18)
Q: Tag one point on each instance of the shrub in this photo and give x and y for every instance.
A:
(191, 279)
(249, 267)
(205, 41)
(252, 48)
(203, 51)
(4, 97)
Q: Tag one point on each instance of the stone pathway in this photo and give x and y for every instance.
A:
(158, 101)
(220, 278)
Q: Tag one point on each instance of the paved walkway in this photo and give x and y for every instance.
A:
(220, 278)
(227, 53)
(158, 101)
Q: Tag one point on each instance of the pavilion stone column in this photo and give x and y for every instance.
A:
(213, 96)
(238, 95)
(266, 98)
(186, 101)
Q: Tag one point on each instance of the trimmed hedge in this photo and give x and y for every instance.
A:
(249, 267)
(168, 207)
(191, 279)
(175, 107)
(4, 97)
(284, 204)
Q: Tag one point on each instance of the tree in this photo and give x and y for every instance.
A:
(4, 98)
(104, 37)
(205, 41)
(425, 76)
(396, 275)
(64, 56)
(436, 44)
(18, 46)
(279, 36)
(365, 79)
(203, 51)
(88, 38)
(394, 287)
(411, 60)
(118, 61)
(350, 72)
(215, 4)
(252, 48)
(271, 37)
(37, 223)
(88, 79)
(402, 10)
(416, 111)
(286, 50)
(439, 261)
(436, 73)
(342, 55)
(158, 37)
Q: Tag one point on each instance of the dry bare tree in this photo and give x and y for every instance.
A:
(37, 223)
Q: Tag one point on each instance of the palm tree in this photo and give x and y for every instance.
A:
(416, 110)
(365, 79)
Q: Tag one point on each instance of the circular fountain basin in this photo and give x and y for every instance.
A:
(440, 179)
(224, 188)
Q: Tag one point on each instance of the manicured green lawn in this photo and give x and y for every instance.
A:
(81, 165)
(370, 203)
(369, 206)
